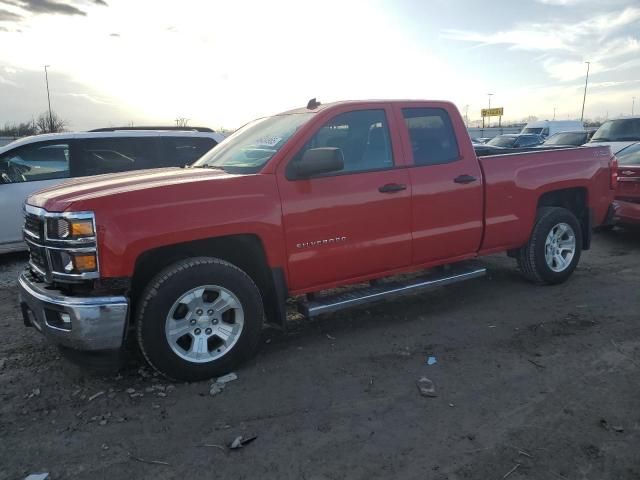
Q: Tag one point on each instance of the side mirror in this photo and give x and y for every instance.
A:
(319, 160)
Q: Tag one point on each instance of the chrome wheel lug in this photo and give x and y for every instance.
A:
(199, 311)
(214, 321)
(192, 321)
(210, 311)
(208, 331)
(197, 331)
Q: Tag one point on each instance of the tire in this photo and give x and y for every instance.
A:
(532, 258)
(185, 297)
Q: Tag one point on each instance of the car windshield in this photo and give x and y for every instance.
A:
(502, 141)
(629, 156)
(566, 139)
(249, 148)
(622, 130)
(535, 131)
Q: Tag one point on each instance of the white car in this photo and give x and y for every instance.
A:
(618, 134)
(33, 163)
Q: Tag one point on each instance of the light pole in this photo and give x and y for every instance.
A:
(46, 77)
(554, 113)
(584, 98)
(489, 113)
(633, 104)
(466, 115)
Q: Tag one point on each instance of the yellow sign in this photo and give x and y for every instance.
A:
(493, 112)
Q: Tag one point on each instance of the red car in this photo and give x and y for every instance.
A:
(193, 261)
(627, 203)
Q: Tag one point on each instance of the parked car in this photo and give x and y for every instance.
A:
(515, 140)
(547, 128)
(300, 203)
(41, 161)
(618, 134)
(627, 204)
(567, 139)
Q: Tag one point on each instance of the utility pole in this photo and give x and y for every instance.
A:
(489, 116)
(46, 77)
(584, 98)
(554, 113)
(633, 104)
(466, 114)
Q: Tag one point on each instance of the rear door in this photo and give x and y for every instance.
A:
(355, 222)
(23, 171)
(446, 181)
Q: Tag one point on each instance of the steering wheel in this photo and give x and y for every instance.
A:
(15, 173)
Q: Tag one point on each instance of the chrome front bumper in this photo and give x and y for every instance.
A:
(81, 323)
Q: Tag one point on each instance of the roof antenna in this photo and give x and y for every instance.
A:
(313, 104)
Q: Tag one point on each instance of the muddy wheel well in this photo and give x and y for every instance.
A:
(574, 200)
(244, 251)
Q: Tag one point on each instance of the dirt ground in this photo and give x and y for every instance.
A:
(531, 382)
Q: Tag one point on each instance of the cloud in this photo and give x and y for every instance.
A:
(117, 35)
(562, 3)
(50, 7)
(567, 45)
(6, 16)
(88, 97)
(101, 2)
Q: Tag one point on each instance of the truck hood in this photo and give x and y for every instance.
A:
(60, 197)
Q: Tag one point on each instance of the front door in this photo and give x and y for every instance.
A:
(23, 171)
(355, 222)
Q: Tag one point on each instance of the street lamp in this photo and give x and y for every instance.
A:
(46, 77)
(584, 98)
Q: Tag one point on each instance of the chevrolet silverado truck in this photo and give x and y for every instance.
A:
(195, 261)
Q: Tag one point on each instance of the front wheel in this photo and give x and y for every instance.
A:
(554, 248)
(199, 318)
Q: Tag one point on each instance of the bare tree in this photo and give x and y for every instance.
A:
(17, 130)
(46, 123)
(182, 122)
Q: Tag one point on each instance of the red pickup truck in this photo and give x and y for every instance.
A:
(196, 260)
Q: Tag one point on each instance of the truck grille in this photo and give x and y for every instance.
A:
(34, 225)
(38, 257)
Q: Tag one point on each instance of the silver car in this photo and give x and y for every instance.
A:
(33, 163)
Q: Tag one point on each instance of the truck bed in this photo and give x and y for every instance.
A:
(515, 181)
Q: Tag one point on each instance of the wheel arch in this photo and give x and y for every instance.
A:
(245, 251)
(576, 201)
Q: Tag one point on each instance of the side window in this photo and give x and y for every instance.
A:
(39, 161)
(433, 140)
(110, 155)
(362, 135)
(179, 151)
(545, 132)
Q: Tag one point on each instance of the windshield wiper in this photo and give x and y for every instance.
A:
(600, 139)
(213, 167)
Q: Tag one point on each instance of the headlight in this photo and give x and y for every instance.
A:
(70, 228)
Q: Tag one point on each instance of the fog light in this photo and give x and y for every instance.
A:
(84, 262)
(66, 318)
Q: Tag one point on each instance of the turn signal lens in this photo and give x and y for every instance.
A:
(85, 262)
(82, 228)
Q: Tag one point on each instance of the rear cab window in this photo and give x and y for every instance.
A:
(433, 139)
(37, 161)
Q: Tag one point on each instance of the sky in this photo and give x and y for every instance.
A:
(221, 64)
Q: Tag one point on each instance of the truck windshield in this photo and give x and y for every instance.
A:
(629, 156)
(250, 147)
(622, 130)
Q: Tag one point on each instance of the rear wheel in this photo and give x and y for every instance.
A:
(554, 248)
(199, 318)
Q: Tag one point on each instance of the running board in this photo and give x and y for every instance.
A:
(384, 290)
